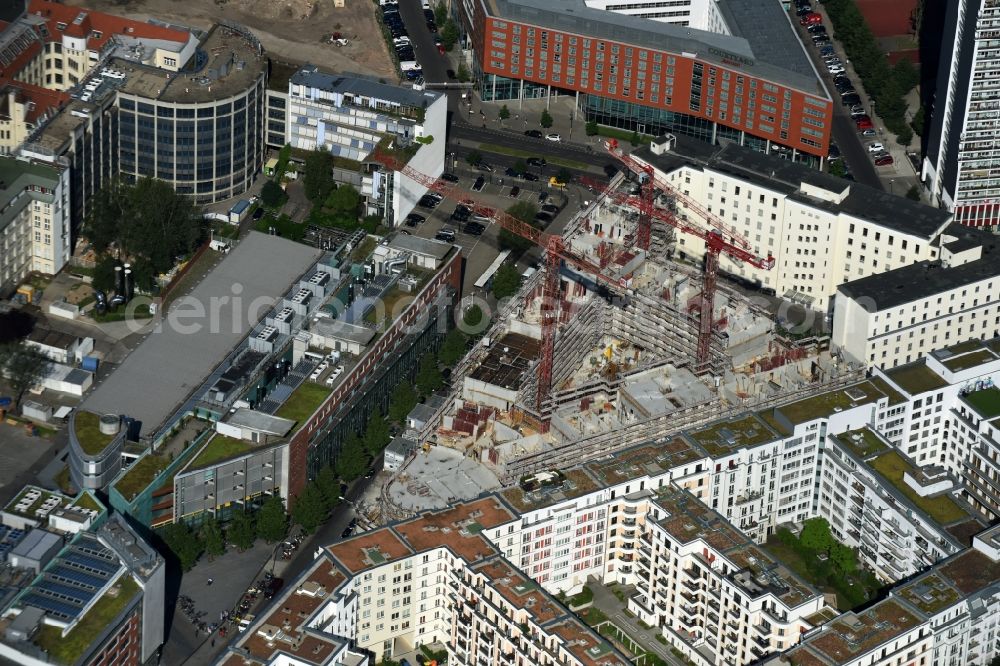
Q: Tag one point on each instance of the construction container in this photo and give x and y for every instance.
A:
(90, 363)
(36, 411)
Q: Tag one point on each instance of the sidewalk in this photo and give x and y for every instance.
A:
(608, 603)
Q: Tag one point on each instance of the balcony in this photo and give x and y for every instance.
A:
(693, 598)
(690, 584)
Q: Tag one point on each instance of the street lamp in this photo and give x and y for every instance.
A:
(891, 181)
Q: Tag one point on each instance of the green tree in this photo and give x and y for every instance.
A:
(592, 129)
(635, 139)
(271, 194)
(402, 401)
(474, 158)
(440, 13)
(917, 123)
(309, 509)
(328, 486)
(564, 175)
(843, 558)
(546, 119)
(473, 317)
(429, 377)
(351, 459)
(837, 168)
(463, 73)
(453, 348)
(913, 193)
(242, 530)
(318, 182)
(504, 113)
(183, 543)
(344, 200)
(23, 367)
(272, 521)
(376, 433)
(905, 76)
(284, 155)
(449, 34)
(816, 535)
(213, 538)
(507, 240)
(506, 282)
(520, 166)
(104, 274)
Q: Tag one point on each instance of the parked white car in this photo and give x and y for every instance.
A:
(876, 147)
(553, 137)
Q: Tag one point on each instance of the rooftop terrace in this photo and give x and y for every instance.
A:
(855, 634)
(88, 432)
(222, 447)
(369, 550)
(916, 378)
(824, 404)
(583, 644)
(652, 459)
(864, 443)
(303, 402)
(986, 402)
(970, 571)
(941, 508)
(930, 593)
(725, 437)
(576, 482)
(519, 590)
(459, 528)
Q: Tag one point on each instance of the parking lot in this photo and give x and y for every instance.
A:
(480, 250)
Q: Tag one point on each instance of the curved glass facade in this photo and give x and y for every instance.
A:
(209, 150)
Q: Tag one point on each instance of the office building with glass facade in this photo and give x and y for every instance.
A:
(745, 77)
(201, 130)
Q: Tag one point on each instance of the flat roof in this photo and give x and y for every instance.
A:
(921, 280)
(754, 23)
(52, 338)
(786, 177)
(340, 329)
(507, 360)
(232, 61)
(916, 378)
(426, 246)
(183, 359)
(312, 77)
(261, 422)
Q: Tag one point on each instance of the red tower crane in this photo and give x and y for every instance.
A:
(715, 241)
(555, 253)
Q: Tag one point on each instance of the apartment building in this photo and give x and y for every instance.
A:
(899, 316)
(961, 169)
(947, 615)
(733, 71)
(350, 117)
(23, 107)
(821, 230)
(34, 219)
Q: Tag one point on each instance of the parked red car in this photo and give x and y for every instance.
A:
(811, 19)
(864, 123)
(883, 160)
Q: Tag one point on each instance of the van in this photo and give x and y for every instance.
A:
(446, 235)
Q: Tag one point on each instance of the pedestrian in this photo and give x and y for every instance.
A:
(213, 642)
(211, 580)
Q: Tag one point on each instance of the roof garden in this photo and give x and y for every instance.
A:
(863, 443)
(219, 448)
(895, 397)
(930, 594)
(942, 508)
(87, 428)
(830, 402)
(724, 437)
(25, 497)
(303, 402)
(971, 571)
(986, 402)
(916, 378)
(855, 634)
(141, 474)
(762, 573)
(649, 459)
(573, 483)
(87, 502)
(69, 648)
(969, 360)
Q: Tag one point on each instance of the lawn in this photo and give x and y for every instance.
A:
(285, 227)
(303, 401)
(141, 474)
(219, 448)
(88, 433)
(516, 152)
(986, 402)
(87, 501)
(866, 444)
(390, 302)
(68, 649)
(820, 405)
(941, 508)
(794, 560)
(970, 360)
(916, 378)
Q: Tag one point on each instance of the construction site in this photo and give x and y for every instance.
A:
(623, 339)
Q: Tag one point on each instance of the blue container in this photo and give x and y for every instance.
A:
(90, 363)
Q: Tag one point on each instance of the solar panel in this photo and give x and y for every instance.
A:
(64, 592)
(57, 608)
(77, 577)
(90, 563)
(99, 553)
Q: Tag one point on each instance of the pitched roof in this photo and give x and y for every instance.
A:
(97, 27)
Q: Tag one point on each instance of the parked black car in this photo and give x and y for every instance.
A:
(536, 161)
(474, 228)
(450, 177)
(535, 134)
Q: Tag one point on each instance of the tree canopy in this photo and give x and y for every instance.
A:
(546, 119)
(147, 221)
(309, 509)
(506, 282)
(242, 531)
(329, 487)
(271, 194)
(429, 377)
(816, 534)
(183, 543)
(402, 400)
(272, 521)
(23, 367)
(351, 460)
(344, 201)
(318, 181)
(376, 433)
(213, 538)
(453, 348)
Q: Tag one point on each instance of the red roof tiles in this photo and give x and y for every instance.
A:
(97, 27)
